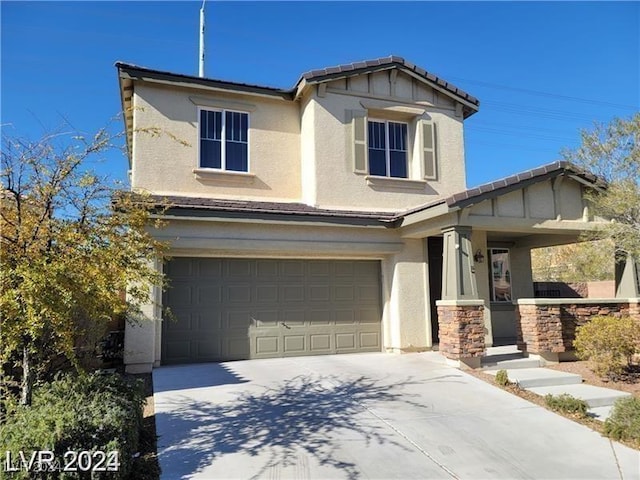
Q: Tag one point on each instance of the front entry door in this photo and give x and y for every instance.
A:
(435, 247)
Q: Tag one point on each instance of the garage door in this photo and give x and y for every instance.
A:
(231, 309)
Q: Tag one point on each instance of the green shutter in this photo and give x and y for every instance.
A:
(429, 159)
(359, 132)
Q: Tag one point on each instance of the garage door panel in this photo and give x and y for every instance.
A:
(292, 293)
(320, 343)
(370, 340)
(209, 348)
(208, 295)
(238, 268)
(345, 341)
(293, 318)
(266, 318)
(318, 293)
(266, 294)
(344, 268)
(345, 317)
(320, 317)
(267, 345)
(179, 268)
(238, 293)
(267, 269)
(180, 321)
(292, 268)
(368, 316)
(319, 270)
(368, 293)
(231, 309)
(294, 343)
(235, 348)
(343, 293)
(236, 320)
(209, 268)
(180, 295)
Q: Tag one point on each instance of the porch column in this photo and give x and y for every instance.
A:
(461, 311)
(458, 274)
(627, 278)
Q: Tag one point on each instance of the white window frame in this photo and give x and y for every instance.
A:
(223, 156)
(496, 250)
(387, 149)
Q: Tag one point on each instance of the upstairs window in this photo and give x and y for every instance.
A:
(224, 141)
(387, 149)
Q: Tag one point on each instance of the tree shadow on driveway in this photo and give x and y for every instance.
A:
(301, 416)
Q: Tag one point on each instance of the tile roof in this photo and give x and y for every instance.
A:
(294, 211)
(387, 62)
(270, 208)
(513, 182)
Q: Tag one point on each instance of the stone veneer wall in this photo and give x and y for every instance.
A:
(461, 331)
(550, 326)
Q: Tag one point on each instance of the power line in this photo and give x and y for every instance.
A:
(547, 94)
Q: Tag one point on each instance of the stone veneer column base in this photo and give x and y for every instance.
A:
(461, 331)
(547, 326)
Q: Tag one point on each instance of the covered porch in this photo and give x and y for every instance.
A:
(479, 244)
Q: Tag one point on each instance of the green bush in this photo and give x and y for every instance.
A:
(502, 378)
(624, 421)
(566, 403)
(85, 413)
(609, 343)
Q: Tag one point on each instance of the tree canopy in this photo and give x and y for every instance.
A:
(71, 246)
(612, 152)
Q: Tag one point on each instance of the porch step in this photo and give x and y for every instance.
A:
(507, 357)
(540, 377)
(594, 396)
(601, 413)
(490, 364)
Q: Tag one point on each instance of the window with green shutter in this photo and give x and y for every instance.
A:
(429, 159)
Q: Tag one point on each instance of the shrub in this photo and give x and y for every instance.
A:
(502, 378)
(609, 343)
(624, 421)
(567, 403)
(86, 413)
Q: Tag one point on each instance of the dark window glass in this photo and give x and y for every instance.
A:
(398, 164)
(377, 151)
(377, 162)
(236, 156)
(236, 126)
(210, 153)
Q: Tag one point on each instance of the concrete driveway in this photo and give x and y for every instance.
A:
(365, 416)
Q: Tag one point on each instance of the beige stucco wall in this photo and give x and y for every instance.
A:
(336, 184)
(405, 320)
(164, 166)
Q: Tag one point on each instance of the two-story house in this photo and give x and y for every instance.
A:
(332, 217)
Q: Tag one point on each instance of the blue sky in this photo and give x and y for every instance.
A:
(542, 71)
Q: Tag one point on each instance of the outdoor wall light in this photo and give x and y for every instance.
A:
(478, 257)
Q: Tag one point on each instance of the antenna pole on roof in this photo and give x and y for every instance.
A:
(201, 62)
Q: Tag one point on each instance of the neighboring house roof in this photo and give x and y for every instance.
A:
(194, 206)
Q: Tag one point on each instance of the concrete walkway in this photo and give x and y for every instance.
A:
(528, 374)
(365, 416)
